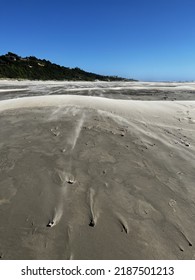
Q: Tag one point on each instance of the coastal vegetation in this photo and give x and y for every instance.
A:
(31, 68)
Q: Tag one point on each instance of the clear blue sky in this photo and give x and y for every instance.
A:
(142, 39)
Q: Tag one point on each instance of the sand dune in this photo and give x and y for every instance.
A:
(94, 178)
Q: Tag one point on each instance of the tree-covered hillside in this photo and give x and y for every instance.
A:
(32, 68)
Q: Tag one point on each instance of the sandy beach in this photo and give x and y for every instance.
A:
(169, 91)
(89, 177)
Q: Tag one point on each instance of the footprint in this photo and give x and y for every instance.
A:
(184, 236)
(50, 224)
(93, 214)
(61, 177)
(58, 212)
(124, 228)
(187, 144)
(181, 248)
(55, 131)
(191, 121)
(172, 203)
(69, 178)
(92, 223)
(123, 224)
(70, 181)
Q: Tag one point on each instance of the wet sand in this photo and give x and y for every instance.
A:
(94, 178)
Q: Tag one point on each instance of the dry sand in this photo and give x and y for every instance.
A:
(94, 178)
(116, 90)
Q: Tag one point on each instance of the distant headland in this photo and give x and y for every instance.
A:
(14, 66)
